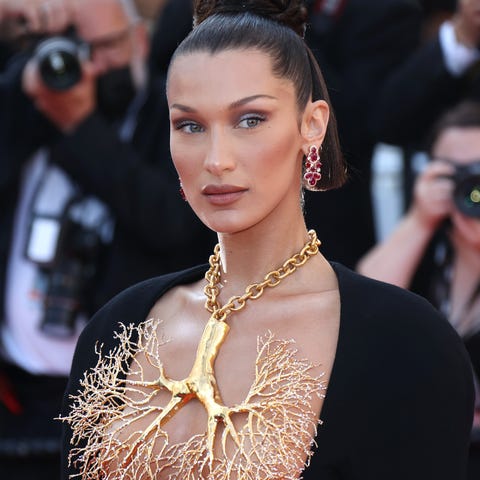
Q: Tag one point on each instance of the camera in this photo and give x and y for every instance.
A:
(466, 193)
(69, 280)
(60, 61)
(66, 241)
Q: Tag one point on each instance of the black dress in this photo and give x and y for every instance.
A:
(400, 399)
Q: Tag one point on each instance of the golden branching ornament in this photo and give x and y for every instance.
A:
(117, 423)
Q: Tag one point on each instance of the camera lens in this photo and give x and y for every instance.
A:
(59, 62)
(60, 70)
(62, 302)
(467, 196)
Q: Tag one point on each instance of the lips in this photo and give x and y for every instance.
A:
(223, 194)
(221, 189)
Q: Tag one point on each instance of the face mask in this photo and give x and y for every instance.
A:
(115, 92)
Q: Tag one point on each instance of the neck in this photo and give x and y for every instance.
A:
(247, 256)
(465, 253)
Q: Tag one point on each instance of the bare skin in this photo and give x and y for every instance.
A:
(290, 314)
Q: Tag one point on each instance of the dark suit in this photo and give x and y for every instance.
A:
(418, 93)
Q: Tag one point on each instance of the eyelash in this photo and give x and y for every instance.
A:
(255, 116)
(186, 123)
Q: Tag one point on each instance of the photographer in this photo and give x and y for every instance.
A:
(435, 248)
(441, 72)
(89, 201)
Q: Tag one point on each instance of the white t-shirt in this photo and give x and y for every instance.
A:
(24, 343)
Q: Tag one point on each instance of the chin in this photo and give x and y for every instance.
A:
(226, 223)
(227, 228)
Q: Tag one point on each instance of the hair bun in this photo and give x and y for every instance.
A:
(291, 13)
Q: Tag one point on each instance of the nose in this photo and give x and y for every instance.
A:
(220, 157)
(100, 61)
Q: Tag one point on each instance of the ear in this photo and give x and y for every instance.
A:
(314, 124)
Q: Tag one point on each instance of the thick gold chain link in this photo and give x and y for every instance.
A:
(255, 290)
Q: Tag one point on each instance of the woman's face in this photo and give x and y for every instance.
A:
(461, 146)
(235, 138)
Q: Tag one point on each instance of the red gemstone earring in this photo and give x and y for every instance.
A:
(313, 169)
(182, 193)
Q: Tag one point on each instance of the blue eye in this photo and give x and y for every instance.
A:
(189, 127)
(251, 121)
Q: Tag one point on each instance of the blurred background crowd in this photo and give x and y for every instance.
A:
(90, 201)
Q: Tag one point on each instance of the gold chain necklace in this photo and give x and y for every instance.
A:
(254, 290)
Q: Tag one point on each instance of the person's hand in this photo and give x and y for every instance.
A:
(39, 16)
(432, 195)
(68, 108)
(466, 22)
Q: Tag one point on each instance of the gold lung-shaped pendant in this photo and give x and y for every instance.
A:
(274, 442)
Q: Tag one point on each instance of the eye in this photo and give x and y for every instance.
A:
(188, 127)
(251, 121)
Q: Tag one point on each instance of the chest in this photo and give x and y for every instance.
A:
(465, 298)
(238, 400)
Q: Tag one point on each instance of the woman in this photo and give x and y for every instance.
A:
(205, 378)
(435, 248)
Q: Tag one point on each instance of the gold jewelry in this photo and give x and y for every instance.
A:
(256, 290)
(110, 414)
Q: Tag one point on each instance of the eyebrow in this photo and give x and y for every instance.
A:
(232, 106)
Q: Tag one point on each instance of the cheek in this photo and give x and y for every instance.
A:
(276, 158)
(183, 160)
(178, 161)
(469, 228)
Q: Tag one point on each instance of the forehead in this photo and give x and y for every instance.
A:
(99, 18)
(224, 76)
(461, 144)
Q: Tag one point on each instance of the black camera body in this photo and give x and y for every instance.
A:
(60, 61)
(70, 279)
(466, 193)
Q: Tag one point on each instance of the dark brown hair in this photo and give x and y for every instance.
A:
(465, 114)
(275, 27)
